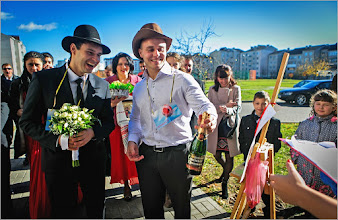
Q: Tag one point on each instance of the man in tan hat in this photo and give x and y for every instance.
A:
(159, 131)
(72, 83)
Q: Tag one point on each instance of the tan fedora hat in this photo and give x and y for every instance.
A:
(150, 30)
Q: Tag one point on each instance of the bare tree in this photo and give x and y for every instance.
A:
(194, 45)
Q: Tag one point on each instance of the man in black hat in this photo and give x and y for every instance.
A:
(43, 95)
(161, 149)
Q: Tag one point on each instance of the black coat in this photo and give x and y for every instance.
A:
(5, 86)
(40, 98)
(247, 132)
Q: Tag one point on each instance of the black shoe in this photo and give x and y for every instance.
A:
(25, 162)
(127, 196)
(225, 190)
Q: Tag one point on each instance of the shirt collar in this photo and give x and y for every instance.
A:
(73, 77)
(9, 78)
(165, 70)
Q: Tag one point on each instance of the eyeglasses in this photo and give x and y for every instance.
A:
(7, 68)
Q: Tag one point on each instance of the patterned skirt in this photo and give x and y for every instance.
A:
(222, 144)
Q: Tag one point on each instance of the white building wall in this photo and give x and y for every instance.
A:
(12, 52)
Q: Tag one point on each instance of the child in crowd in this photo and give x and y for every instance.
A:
(175, 60)
(321, 126)
(247, 132)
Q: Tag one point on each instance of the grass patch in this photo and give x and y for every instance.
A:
(250, 87)
(212, 170)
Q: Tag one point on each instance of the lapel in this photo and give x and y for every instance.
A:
(65, 94)
(90, 92)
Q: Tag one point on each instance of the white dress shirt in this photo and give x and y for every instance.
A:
(187, 95)
(72, 77)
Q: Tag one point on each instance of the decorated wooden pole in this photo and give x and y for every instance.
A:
(239, 204)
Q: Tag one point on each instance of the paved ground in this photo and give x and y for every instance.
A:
(202, 206)
(287, 112)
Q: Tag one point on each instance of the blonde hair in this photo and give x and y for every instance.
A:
(324, 95)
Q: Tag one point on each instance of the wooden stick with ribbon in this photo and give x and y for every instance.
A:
(241, 197)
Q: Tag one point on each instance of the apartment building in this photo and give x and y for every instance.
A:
(12, 52)
(229, 56)
(256, 59)
(274, 61)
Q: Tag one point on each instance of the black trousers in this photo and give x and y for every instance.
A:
(6, 202)
(161, 171)
(63, 189)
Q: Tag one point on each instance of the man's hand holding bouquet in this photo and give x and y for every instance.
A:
(75, 123)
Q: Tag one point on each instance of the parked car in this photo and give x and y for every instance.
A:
(301, 95)
(302, 83)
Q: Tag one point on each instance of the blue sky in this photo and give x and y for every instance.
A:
(42, 25)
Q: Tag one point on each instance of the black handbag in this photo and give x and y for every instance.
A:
(224, 129)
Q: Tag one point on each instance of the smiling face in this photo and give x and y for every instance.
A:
(48, 63)
(323, 108)
(33, 65)
(85, 59)
(123, 68)
(259, 105)
(188, 65)
(173, 62)
(224, 82)
(153, 52)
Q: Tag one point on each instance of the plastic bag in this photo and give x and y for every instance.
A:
(255, 180)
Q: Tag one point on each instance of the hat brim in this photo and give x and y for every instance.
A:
(146, 33)
(67, 41)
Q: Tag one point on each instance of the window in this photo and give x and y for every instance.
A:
(325, 85)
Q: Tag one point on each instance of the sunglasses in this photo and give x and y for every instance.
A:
(7, 68)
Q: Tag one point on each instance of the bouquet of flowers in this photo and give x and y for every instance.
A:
(70, 120)
(120, 89)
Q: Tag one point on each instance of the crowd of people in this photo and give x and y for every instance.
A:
(158, 144)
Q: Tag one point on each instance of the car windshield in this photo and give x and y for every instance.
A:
(311, 84)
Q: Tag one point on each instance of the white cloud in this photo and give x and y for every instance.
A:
(6, 16)
(32, 26)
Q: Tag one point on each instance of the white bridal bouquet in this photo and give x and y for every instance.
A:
(70, 120)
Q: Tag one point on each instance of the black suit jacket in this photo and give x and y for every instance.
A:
(40, 98)
(247, 132)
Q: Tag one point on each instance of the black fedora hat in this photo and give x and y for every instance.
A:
(150, 30)
(84, 32)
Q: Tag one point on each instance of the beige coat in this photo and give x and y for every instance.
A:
(223, 96)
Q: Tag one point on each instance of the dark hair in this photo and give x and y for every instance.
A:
(108, 67)
(78, 43)
(129, 60)
(224, 71)
(5, 64)
(141, 61)
(323, 95)
(262, 95)
(31, 54)
(46, 54)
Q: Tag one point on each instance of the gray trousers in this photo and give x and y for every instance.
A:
(161, 171)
